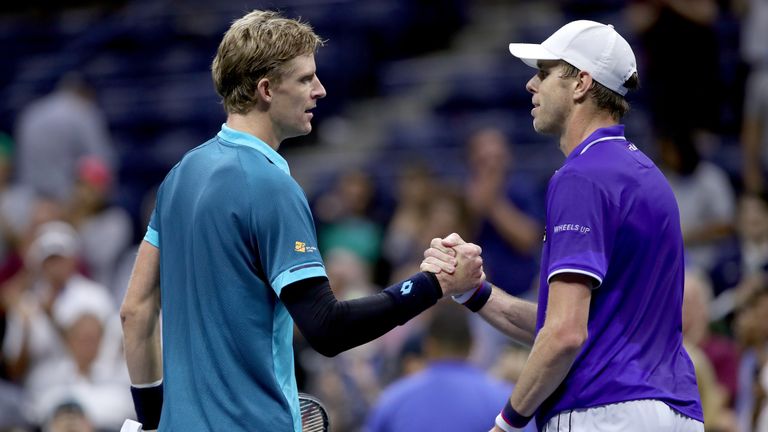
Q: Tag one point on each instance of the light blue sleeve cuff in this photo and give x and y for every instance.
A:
(297, 273)
(152, 237)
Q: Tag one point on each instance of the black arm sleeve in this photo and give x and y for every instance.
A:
(332, 326)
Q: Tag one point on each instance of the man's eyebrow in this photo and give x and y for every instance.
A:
(545, 65)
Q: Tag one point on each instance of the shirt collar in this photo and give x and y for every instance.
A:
(615, 132)
(242, 138)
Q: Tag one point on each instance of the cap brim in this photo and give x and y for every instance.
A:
(531, 53)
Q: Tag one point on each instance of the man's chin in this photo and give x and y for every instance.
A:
(302, 132)
(544, 129)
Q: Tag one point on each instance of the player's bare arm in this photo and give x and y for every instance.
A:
(140, 316)
(558, 343)
(511, 315)
(140, 313)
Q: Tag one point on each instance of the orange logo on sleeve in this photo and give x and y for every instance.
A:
(300, 247)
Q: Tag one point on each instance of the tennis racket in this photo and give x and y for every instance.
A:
(314, 417)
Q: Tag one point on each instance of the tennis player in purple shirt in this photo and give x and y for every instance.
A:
(607, 344)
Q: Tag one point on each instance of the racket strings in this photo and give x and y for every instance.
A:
(314, 418)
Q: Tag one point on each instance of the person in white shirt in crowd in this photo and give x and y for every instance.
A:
(704, 196)
(90, 373)
(33, 338)
(105, 229)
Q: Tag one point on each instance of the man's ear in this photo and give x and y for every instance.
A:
(584, 82)
(264, 90)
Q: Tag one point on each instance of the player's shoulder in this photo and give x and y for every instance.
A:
(189, 156)
(580, 173)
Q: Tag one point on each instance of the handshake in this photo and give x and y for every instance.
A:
(457, 266)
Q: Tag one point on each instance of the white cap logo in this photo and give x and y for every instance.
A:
(588, 45)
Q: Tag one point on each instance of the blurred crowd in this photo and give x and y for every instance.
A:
(67, 239)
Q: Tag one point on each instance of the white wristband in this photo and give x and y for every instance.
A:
(147, 385)
(464, 297)
(501, 424)
(131, 426)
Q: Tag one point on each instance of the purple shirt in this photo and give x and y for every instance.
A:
(611, 215)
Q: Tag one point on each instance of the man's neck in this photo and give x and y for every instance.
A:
(583, 122)
(257, 124)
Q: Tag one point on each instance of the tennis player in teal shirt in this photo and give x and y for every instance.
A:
(231, 258)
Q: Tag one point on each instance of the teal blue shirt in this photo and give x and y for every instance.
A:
(234, 229)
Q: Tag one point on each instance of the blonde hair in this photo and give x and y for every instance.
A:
(257, 46)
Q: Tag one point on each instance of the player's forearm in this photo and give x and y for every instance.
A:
(142, 346)
(551, 358)
(512, 316)
(140, 316)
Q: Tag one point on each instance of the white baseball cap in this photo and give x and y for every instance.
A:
(54, 238)
(588, 45)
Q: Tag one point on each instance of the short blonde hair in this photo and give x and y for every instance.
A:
(257, 46)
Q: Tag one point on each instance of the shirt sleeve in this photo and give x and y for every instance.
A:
(284, 233)
(153, 233)
(581, 229)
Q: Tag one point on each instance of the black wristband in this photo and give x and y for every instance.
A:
(148, 402)
(414, 295)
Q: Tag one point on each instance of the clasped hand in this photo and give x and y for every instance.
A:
(456, 263)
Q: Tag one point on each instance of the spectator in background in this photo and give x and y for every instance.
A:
(506, 226)
(742, 264)
(714, 396)
(449, 394)
(54, 132)
(69, 417)
(105, 230)
(428, 210)
(668, 28)
(15, 202)
(445, 211)
(721, 350)
(416, 186)
(754, 133)
(90, 372)
(507, 220)
(15, 269)
(704, 196)
(33, 338)
(751, 330)
(346, 216)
